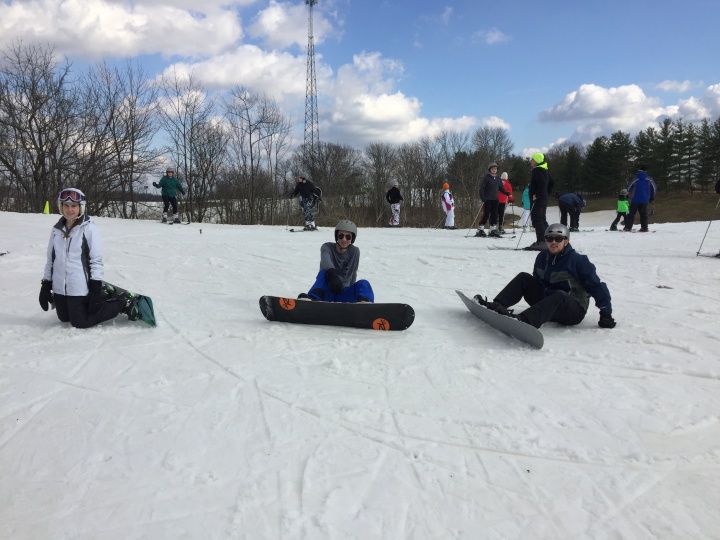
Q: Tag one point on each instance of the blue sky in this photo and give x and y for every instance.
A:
(398, 70)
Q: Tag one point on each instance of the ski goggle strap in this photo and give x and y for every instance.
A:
(71, 195)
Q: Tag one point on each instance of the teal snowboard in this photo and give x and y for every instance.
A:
(145, 305)
(507, 325)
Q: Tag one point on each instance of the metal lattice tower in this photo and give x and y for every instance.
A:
(312, 132)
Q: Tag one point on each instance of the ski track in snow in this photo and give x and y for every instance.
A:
(220, 424)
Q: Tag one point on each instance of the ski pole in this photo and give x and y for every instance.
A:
(472, 225)
(512, 206)
(712, 218)
(523, 230)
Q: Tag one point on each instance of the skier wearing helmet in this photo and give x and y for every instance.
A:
(72, 280)
(622, 209)
(559, 289)
(339, 262)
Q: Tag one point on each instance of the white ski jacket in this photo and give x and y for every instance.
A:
(74, 259)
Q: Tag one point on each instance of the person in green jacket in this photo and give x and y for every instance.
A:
(623, 206)
(169, 185)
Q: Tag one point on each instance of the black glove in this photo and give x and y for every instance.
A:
(606, 321)
(155, 184)
(333, 279)
(95, 298)
(46, 295)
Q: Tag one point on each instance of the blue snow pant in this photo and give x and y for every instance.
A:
(350, 294)
(556, 307)
(74, 309)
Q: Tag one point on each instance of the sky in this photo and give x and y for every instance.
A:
(218, 424)
(395, 71)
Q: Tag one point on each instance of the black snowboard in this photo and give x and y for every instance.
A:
(363, 315)
(507, 325)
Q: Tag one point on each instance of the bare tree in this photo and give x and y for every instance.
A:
(183, 105)
(380, 169)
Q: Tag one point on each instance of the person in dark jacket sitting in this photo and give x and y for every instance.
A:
(559, 289)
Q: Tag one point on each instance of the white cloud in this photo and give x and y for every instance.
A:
(98, 28)
(675, 86)
(446, 15)
(492, 36)
(283, 25)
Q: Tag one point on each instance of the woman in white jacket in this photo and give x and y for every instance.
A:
(74, 269)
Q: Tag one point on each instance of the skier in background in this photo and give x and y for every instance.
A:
(448, 205)
(571, 203)
(74, 271)
(169, 187)
(527, 206)
(394, 197)
(309, 194)
(558, 290)
(643, 189)
(339, 262)
(622, 209)
(503, 201)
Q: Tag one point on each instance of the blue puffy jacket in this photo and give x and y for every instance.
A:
(574, 274)
(643, 188)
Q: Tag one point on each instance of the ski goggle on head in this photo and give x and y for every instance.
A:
(71, 195)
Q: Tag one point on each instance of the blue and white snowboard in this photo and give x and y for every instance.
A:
(507, 325)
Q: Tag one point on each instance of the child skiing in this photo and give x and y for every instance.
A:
(448, 206)
(394, 197)
(74, 271)
(170, 186)
(622, 209)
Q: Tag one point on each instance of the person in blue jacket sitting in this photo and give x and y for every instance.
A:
(559, 289)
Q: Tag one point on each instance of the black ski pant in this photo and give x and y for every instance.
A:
(566, 209)
(539, 221)
(557, 307)
(167, 201)
(620, 215)
(501, 214)
(630, 218)
(74, 309)
(490, 210)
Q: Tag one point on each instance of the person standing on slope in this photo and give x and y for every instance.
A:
(339, 262)
(309, 194)
(169, 187)
(394, 197)
(448, 204)
(541, 186)
(503, 201)
(73, 276)
(490, 187)
(558, 290)
(643, 189)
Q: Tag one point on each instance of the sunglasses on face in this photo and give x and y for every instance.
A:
(343, 236)
(554, 239)
(71, 195)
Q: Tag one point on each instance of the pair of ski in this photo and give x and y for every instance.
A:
(383, 316)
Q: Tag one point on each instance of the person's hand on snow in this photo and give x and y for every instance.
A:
(606, 321)
(46, 295)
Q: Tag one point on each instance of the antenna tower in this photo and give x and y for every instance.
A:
(312, 132)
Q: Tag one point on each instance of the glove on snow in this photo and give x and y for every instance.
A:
(606, 322)
(95, 298)
(333, 279)
(46, 295)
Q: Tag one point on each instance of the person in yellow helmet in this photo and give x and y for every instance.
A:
(541, 185)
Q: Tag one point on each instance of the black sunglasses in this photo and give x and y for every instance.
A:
(555, 239)
(341, 236)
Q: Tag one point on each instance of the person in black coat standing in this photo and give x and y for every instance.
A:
(309, 193)
(394, 197)
(541, 185)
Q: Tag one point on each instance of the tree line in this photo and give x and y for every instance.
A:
(111, 130)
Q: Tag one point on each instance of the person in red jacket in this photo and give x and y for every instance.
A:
(503, 200)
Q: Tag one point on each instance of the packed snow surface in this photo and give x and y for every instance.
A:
(219, 424)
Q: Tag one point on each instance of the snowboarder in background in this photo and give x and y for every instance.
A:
(448, 204)
(339, 262)
(559, 289)
(490, 187)
(622, 209)
(73, 276)
(309, 195)
(571, 203)
(527, 205)
(643, 189)
(394, 197)
(169, 186)
(503, 201)
(541, 185)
